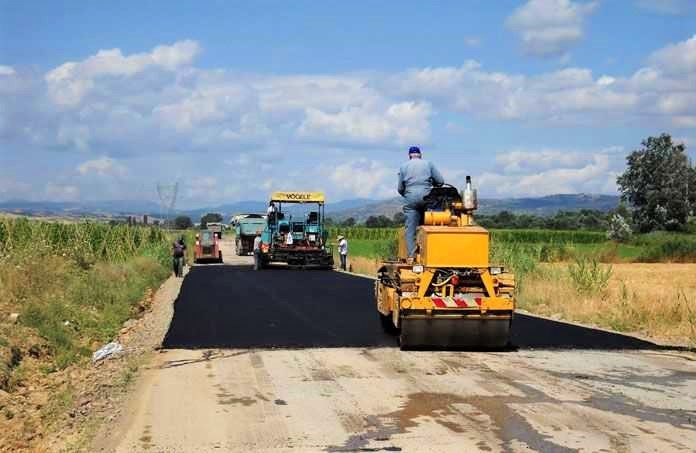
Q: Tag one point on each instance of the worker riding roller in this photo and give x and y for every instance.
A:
(417, 177)
(441, 290)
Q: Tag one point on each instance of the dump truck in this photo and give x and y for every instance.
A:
(295, 233)
(207, 247)
(215, 227)
(246, 226)
(448, 295)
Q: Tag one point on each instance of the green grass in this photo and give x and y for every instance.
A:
(552, 245)
(76, 284)
(372, 248)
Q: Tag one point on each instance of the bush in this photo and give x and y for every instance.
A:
(589, 276)
(619, 230)
(662, 246)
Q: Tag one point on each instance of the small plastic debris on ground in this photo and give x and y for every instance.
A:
(13, 317)
(107, 350)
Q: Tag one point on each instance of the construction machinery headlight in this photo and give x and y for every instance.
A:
(496, 270)
(418, 269)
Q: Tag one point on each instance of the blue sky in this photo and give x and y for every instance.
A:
(101, 100)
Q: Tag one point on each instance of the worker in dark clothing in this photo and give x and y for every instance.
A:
(417, 177)
(179, 256)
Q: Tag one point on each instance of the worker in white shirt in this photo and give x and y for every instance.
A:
(288, 238)
(257, 251)
(343, 251)
(271, 213)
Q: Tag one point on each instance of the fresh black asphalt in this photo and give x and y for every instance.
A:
(237, 307)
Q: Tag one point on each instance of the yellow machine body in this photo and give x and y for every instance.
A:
(450, 295)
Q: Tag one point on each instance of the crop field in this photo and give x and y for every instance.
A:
(546, 245)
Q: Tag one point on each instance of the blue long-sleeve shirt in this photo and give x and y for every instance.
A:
(417, 177)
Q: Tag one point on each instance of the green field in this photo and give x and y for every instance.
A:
(546, 245)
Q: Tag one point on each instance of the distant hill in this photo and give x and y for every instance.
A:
(360, 208)
(79, 209)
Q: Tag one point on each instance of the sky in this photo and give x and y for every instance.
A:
(233, 100)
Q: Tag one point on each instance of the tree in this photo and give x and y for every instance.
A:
(183, 222)
(660, 184)
(371, 222)
(380, 221)
(399, 219)
(213, 217)
(349, 222)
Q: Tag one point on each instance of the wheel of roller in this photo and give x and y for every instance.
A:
(455, 333)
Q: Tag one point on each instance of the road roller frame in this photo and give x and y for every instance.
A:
(450, 296)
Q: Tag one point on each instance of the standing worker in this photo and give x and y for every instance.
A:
(257, 251)
(178, 253)
(343, 250)
(271, 213)
(417, 177)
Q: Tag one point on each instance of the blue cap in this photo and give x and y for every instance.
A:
(414, 150)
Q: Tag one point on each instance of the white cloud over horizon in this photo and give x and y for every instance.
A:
(233, 128)
(548, 172)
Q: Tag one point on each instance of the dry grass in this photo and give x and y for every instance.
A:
(363, 265)
(656, 300)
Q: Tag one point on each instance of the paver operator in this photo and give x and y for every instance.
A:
(417, 177)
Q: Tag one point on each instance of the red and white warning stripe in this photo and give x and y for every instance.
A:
(458, 301)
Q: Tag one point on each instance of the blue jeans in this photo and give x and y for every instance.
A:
(343, 261)
(178, 264)
(414, 209)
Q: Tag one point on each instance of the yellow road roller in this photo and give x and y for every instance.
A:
(449, 296)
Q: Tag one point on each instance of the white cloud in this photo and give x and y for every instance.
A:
(402, 123)
(104, 166)
(549, 27)
(7, 70)
(202, 187)
(11, 188)
(525, 161)
(70, 82)
(673, 7)
(679, 58)
(591, 177)
(181, 119)
(61, 192)
(363, 178)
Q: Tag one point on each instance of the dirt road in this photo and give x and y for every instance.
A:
(283, 360)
